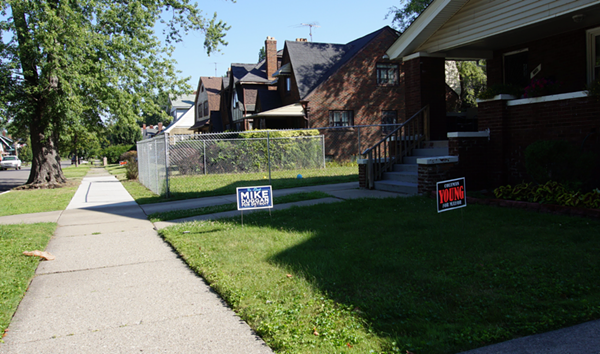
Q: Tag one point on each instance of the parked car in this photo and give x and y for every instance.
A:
(10, 162)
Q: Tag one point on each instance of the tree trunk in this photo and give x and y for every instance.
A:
(45, 165)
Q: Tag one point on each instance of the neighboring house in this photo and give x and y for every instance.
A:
(336, 85)
(7, 145)
(178, 106)
(181, 125)
(207, 115)
(242, 85)
(522, 40)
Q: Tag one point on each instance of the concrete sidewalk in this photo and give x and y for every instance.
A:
(117, 287)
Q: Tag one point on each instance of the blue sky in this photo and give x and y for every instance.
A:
(252, 21)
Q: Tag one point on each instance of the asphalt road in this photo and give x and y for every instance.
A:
(13, 178)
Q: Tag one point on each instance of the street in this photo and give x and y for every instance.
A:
(13, 178)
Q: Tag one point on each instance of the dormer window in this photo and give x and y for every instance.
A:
(387, 74)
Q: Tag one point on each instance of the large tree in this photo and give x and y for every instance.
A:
(408, 11)
(81, 62)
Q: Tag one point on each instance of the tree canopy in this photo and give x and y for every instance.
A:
(408, 11)
(79, 63)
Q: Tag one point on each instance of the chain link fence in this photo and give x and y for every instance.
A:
(168, 160)
(152, 164)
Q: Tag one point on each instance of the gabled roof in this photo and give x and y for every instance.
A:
(212, 85)
(252, 73)
(183, 101)
(312, 63)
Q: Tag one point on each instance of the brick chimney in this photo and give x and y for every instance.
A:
(271, 57)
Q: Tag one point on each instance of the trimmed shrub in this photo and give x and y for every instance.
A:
(549, 193)
(131, 167)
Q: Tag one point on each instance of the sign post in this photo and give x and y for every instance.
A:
(451, 194)
(249, 198)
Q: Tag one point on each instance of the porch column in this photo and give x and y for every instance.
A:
(425, 80)
(492, 115)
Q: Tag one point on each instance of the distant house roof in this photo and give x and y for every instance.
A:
(6, 144)
(313, 63)
(252, 73)
(183, 101)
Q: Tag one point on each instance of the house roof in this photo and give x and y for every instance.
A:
(312, 63)
(182, 102)
(213, 87)
(6, 144)
(473, 29)
(252, 73)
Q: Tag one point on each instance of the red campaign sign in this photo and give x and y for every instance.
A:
(451, 194)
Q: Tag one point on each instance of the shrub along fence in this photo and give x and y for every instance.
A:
(167, 160)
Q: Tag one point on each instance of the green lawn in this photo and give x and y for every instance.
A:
(41, 200)
(199, 186)
(179, 214)
(17, 270)
(392, 275)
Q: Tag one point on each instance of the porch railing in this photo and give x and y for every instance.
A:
(401, 142)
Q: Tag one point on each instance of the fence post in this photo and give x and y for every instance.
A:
(156, 162)
(358, 154)
(167, 164)
(269, 154)
(370, 170)
(323, 149)
(204, 153)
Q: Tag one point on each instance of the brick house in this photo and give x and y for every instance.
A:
(207, 108)
(522, 41)
(336, 85)
(241, 86)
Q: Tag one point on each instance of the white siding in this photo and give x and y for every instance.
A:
(483, 18)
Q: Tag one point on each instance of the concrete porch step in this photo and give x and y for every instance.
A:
(432, 144)
(397, 187)
(406, 167)
(410, 177)
(440, 151)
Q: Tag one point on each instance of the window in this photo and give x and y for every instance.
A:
(341, 118)
(593, 52)
(516, 71)
(387, 74)
(200, 110)
(288, 84)
(205, 108)
(388, 117)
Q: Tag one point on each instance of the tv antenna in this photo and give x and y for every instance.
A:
(215, 69)
(311, 25)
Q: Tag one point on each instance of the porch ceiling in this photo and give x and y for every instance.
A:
(484, 47)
